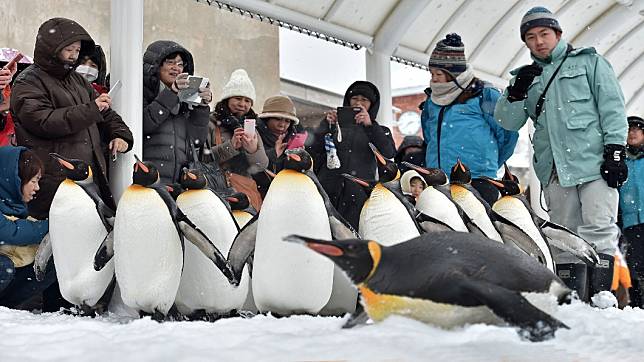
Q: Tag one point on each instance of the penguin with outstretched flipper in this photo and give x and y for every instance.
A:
(449, 279)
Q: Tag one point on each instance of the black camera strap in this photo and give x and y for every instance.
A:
(542, 97)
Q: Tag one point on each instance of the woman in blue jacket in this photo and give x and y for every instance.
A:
(631, 206)
(20, 171)
(458, 116)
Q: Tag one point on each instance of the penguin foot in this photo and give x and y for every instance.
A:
(541, 331)
(246, 314)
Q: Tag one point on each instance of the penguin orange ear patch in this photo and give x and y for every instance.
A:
(324, 249)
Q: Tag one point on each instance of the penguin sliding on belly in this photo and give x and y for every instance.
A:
(79, 221)
(386, 215)
(203, 288)
(449, 279)
(149, 233)
(289, 279)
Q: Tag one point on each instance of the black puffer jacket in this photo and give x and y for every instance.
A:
(355, 156)
(168, 125)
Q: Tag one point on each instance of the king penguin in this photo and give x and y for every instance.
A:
(386, 215)
(449, 279)
(149, 233)
(79, 221)
(289, 279)
(203, 288)
(466, 196)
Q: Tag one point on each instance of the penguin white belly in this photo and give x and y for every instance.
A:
(514, 210)
(148, 256)
(76, 232)
(203, 286)
(385, 219)
(475, 211)
(435, 204)
(289, 278)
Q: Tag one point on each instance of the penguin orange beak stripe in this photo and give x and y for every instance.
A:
(379, 157)
(140, 164)
(191, 175)
(495, 183)
(356, 180)
(417, 168)
(460, 165)
(325, 249)
(62, 161)
(232, 199)
(292, 156)
(270, 173)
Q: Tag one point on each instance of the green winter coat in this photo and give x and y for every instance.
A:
(583, 111)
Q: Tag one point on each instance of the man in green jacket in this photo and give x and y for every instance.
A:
(579, 139)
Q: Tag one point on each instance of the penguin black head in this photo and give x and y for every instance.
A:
(298, 160)
(238, 201)
(367, 186)
(145, 173)
(508, 175)
(193, 179)
(505, 187)
(387, 169)
(74, 169)
(432, 176)
(357, 258)
(460, 173)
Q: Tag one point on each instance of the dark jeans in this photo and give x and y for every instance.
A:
(20, 284)
(635, 259)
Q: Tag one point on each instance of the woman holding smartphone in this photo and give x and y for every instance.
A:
(240, 152)
(279, 129)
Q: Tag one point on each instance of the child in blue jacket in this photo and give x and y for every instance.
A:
(20, 171)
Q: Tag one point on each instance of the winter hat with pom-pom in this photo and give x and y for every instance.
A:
(449, 55)
(538, 16)
(239, 85)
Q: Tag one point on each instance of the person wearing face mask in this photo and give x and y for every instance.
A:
(169, 125)
(20, 172)
(56, 110)
(94, 69)
(240, 154)
(354, 155)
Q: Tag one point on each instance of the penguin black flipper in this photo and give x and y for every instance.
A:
(430, 224)
(512, 307)
(243, 247)
(42, 257)
(338, 224)
(105, 252)
(516, 237)
(565, 239)
(201, 241)
(104, 212)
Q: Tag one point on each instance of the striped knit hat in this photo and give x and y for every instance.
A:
(449, 55)
(538, 16)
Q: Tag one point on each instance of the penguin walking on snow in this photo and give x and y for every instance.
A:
(79, 221)
(203, 288)
(149, 233)
(435, 203)
(289, 279)
(449, 279)
(386, 215)
(476, 208)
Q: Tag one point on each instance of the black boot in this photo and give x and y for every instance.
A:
(575, 276)
(601, 276)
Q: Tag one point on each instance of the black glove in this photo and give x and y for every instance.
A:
(614, 169)
(519, 90)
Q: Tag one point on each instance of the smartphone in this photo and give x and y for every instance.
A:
(347, 116)
(14, 60)
(297, 141)
(249, 127)
(114, 89)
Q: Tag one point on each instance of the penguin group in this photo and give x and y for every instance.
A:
(450, 259)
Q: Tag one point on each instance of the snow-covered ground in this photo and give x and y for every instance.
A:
(595, 335)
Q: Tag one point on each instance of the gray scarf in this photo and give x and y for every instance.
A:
(444, 94)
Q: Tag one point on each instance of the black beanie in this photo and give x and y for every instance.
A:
(363, 90)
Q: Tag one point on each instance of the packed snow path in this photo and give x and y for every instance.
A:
(595, 335)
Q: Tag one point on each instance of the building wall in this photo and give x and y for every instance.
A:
(220, 41)
(407, 103)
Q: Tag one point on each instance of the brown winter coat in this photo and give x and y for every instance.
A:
(54, 111)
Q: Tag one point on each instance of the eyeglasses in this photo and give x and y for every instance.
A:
(172, 63)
